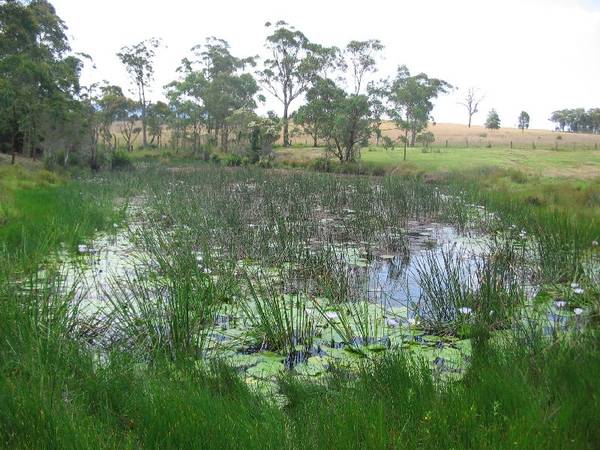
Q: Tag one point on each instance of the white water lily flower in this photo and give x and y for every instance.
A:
(578, 291)
(393, 323)
(574, 285)
(199, 258)
(560, 303)
(465, 310)
(331, 315)
(82, 248)
(578, 311)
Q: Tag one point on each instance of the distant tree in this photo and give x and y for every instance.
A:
(158, 114)
(377, 97)
(411, 98)
(360, 57)
(426, 138)
(471, 102)
(493, 120)
(523, 121)
(128, 128)
(138, 60)
(293, 65)
(388, 143)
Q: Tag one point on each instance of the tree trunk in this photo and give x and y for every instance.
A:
(143, 102)
(315, 143)
(15, 135)
(286, 134)
(470, 116)
(405, 143)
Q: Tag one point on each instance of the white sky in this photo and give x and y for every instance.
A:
(533, 55)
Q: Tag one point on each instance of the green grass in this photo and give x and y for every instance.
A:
(154, 388)
(547, 163)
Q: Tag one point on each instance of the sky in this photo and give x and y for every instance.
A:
(532, 55)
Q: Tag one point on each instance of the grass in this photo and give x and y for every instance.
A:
(160, 371)
(574, 164)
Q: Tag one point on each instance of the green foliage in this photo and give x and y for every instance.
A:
(523, 121)
(493, 120)
(120, 160)
(412, 100)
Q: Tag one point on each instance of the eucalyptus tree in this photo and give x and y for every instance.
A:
(471, 102)
(411, 98)
(215, 81)
(138, 60)
(158, 115)
(493, 120)
(360, 58)
(112, 107)
(523, 121)
(39, 80)
(345, 119)
(293, 64)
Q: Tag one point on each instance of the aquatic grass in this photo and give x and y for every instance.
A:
(280, 322)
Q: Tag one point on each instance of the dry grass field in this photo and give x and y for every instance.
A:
(458, 135)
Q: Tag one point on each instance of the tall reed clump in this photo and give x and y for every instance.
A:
(167, 306)
(280, 322)
(466, 294)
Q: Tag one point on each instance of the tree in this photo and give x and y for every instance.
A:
(426, 138)
(346, 119)
(39, 85)
(293, 65)
(158, 114)
(471, 102)
(112, 107)
(215, 83)
(493, 120)
(361, 59)
(411, 98)
(523, 121)
(138, 60)
(128, 128)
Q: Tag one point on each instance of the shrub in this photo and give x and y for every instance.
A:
(121, 161)
(321, 165)
(232, 160)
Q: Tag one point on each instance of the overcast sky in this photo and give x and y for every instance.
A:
(533, 55)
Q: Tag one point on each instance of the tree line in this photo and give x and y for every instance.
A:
(44, 108)
(577, 120)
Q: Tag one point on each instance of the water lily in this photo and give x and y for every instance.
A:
(331, 315)
(578, 311)
(393, 323)
(578, 291)
(465, 310)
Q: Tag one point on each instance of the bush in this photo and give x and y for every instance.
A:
(121, 161)
(214, 158)
(321, 165)
(232, 160)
